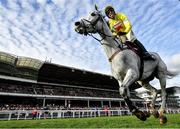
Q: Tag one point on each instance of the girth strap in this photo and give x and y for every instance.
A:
(141, 70)
(113, 55)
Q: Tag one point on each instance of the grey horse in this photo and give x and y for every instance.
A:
(126, 65)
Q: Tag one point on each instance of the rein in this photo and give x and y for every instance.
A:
(102, 34)
(91, 34)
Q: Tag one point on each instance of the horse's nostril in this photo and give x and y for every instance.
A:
(77, 23)
(81, 31)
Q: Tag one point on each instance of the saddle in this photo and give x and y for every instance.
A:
(132, 46)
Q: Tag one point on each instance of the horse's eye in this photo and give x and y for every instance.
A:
(93, 14)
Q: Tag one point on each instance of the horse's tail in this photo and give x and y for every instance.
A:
(171, 74)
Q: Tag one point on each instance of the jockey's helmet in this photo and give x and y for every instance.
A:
(107, 9)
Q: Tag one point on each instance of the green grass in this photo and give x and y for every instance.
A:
(98, 122)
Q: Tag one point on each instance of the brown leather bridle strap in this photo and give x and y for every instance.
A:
(113, 55)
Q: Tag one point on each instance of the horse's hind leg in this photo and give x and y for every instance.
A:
(154, 92)
(161, 75)
(162, 117)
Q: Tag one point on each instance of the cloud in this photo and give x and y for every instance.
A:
(174, 63)
(44, 29)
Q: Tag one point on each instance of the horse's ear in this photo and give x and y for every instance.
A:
(96, 8)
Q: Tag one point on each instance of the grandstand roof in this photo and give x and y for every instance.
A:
(7, 58)
(29, 68)
(29, 63)
(171, 90)
(18, 61)
(16, 66)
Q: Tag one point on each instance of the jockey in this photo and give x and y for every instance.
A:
(122, 28)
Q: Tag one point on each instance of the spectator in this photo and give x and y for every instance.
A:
(34, 113)
(106, 110)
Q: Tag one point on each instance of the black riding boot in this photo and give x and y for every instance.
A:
(143, 50)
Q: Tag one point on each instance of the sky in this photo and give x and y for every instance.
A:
(44, 29)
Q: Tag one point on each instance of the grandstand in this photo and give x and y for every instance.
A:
(26, 83)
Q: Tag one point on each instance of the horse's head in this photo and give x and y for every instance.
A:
(90, 25)
(96, 23)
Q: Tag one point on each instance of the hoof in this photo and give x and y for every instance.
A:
(139, 114)
(156, 114)
(163, 120)
(147, 114)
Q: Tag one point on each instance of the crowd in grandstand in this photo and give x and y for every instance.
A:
(4, 107)
(57, 90)
(29, 107)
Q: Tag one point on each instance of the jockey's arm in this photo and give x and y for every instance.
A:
(127, 23)
(112, 29)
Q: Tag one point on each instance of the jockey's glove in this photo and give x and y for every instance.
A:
(121, 33)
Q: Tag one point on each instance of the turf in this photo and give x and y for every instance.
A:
(98, 122)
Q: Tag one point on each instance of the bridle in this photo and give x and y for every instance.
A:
(100, 31)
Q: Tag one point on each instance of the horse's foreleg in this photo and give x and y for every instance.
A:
(139, 114)
(126, 96)
(129, 79)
